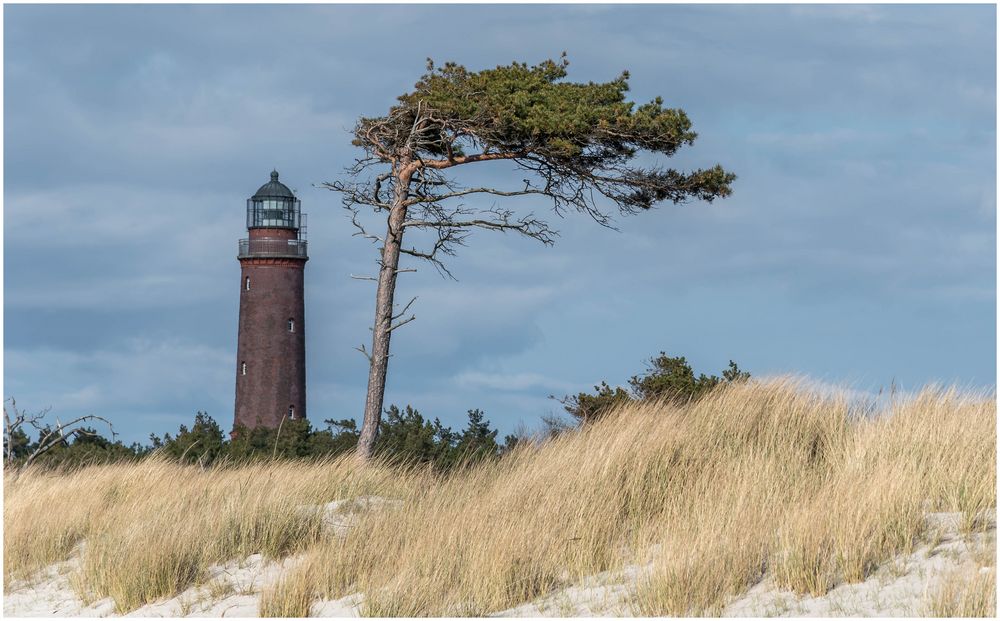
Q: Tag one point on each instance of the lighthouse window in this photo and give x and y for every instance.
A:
(243, 368)
(291, 325)
(246, 283)
(273, 212)
(291, 412)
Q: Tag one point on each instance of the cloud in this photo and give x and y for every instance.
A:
(516, 382)
(461, 322)
(101, 246)
(125, 383)
(860, 237)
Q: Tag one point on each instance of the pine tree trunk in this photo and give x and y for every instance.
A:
(382, 327)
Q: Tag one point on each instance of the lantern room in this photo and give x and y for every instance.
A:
(276, 223)
(273, 207)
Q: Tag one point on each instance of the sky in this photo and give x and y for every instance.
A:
(858, 247)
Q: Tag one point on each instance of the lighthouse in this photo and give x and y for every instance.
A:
(271, 347)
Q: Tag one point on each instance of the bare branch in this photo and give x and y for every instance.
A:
(429, 256)
(529, 228)
(362, 231)
(377, 189)
(364, 352)
(62, 433)
(405, 308)
(493, 191)
(469, 159)
(9, 428)
(441, 245)
(359, 194)
(364, 277)
(402, 323)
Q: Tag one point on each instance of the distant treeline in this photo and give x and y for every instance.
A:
(405, 436)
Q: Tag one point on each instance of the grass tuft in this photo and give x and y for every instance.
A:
(965, 595)
(287, 599)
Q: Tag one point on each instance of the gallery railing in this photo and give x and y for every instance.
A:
(273, 248)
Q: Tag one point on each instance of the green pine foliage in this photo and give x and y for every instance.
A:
(86, 448)
(203, 443)
(580, 131)
(405, 435)
(477, 441)
(586, 407)
(339, 437)
(667, 378)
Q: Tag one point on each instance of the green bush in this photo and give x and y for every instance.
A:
(86, 447)
(666, 378)
(405, 436)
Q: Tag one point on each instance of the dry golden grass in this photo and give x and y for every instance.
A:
(149, 530)
(287, 599)
(965, 593)
(756, 478)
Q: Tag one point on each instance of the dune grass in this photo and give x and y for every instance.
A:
(753, 479)
(965, 593)
(287, 599)
(149, 530)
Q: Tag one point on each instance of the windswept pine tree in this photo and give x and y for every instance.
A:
(574, 144)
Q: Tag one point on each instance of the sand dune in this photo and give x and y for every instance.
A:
(761, 499)
(903, 587)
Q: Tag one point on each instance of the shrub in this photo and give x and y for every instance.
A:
(667, 378)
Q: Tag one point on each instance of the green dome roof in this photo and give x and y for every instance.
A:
(274, 189)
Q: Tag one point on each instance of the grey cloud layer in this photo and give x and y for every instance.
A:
(859, 246)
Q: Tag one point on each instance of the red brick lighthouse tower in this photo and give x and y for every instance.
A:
(271, 350)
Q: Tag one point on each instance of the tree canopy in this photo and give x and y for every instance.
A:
(575, 136)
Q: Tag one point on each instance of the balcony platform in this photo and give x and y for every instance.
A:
(267, 248)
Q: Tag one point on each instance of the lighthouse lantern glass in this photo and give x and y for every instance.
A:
(273, 212)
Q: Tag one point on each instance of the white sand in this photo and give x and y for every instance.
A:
(338, 515)
(899, 588)
(603, 595)
(232, 590)
(50, 595)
